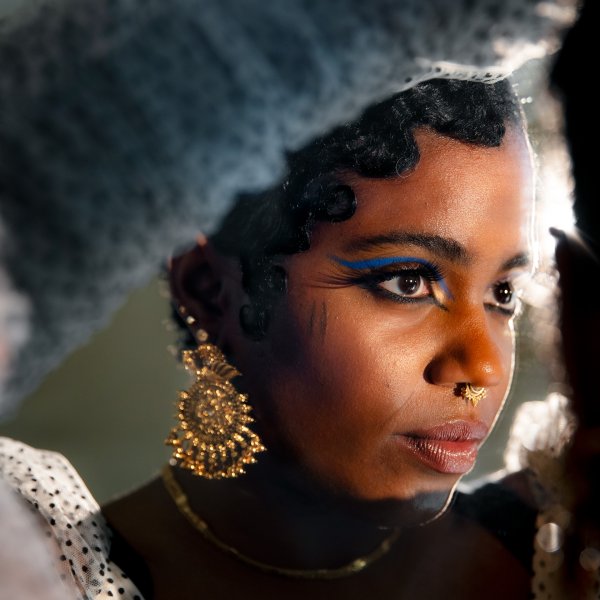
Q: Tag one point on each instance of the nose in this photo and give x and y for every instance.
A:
(469, 353)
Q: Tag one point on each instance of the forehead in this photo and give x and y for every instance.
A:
(479, 196)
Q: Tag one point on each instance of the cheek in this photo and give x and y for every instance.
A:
(337, 371)
(505, 337)
(505, 340)
(509, 348)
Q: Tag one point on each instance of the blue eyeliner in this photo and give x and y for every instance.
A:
(377, 263)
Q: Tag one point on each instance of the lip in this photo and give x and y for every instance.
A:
(448, 448)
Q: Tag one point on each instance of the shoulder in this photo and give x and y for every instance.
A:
(69, 516)
(27, 565)
(42, 477)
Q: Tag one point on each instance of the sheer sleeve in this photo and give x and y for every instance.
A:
(69, 520)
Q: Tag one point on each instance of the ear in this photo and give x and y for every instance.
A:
(202, 282)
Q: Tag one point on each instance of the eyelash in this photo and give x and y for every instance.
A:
(373, 279)
(515, 300)
(430, 274)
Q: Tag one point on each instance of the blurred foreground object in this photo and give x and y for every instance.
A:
(568, 540)
(580, 315)
(571, 80)
(14, 321)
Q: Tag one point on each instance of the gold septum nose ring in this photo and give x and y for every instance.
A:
(472, 393)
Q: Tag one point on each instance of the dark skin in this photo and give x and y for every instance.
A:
(347, 370)
(453, 558)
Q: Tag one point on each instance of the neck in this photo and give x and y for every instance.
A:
(277, 515)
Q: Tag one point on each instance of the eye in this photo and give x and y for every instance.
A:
(503, 298)
(409, 285)
(402, 279)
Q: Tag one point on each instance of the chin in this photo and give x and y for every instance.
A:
(419, 509)
(400, 506)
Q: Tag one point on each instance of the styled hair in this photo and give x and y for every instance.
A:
(380, 144)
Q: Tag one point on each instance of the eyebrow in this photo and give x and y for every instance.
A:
(446, 247)
(519, 260)
(442, 246)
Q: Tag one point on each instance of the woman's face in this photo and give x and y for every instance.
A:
(358, 379)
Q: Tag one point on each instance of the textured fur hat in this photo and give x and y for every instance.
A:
(127, 126)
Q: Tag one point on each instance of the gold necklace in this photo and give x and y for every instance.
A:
(181, 502)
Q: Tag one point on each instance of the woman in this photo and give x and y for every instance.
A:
(372, 320)
(369, 303)
(373, 325)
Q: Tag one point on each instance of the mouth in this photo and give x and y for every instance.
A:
(448, 448)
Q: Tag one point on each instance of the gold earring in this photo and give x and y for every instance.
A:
(212, 438)
(472, 393)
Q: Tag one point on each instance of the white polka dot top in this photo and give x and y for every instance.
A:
(77, 531)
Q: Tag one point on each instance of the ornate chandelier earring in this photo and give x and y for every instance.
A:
(472, 393)
(212, 438)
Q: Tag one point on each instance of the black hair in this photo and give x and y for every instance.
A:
(380, 144)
